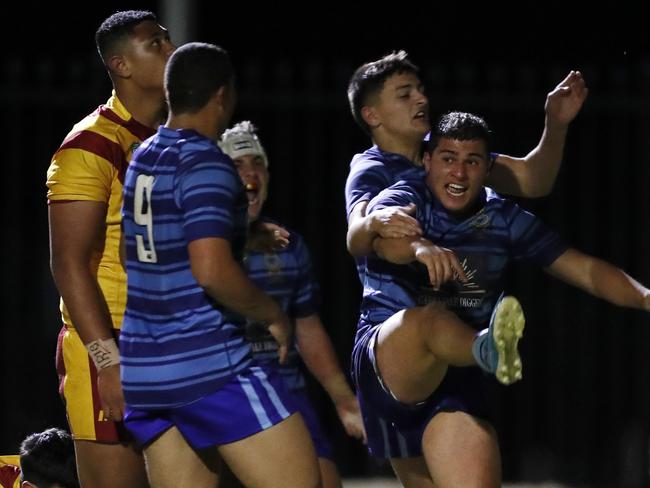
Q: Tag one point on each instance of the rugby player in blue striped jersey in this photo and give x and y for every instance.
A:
(419, 387)
(387, 100)
(193, 395)
(282, 268)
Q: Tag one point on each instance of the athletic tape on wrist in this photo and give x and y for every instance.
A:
(104, 353)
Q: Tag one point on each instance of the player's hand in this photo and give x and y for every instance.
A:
(392, 222)
(349, 413)
(109, 388)
(566, 100)
(646, 302)
(267, 237)
(282, 330)
(442, 263)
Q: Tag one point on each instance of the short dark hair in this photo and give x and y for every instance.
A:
(117, 28)
(462, 126)
(194, 73)
(368, 80)
(47, 458)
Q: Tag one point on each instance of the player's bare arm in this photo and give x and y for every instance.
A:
(534, 175)
(391, 222)
(76, 238)
(318, 354)
(601, 279)
(216, 270)
(442, 263)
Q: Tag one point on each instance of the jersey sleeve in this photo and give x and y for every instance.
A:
(531, 240)
(365, 180)
(206, 190)
(84, 168)
(398, 195)
(306, 297)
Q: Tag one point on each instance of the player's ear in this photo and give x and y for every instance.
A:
(491, 158)
(118, 65)
(426, 160)
(370, 116)
(220, 94)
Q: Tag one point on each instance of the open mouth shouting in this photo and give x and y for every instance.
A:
(455, 189)
(252, 193)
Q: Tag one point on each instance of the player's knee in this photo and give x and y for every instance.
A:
(329, 473)
(309, 479)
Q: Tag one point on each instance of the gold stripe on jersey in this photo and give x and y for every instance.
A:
(10, 471)
(90, 166)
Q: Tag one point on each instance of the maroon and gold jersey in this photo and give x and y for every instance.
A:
(90, 166)
(10, 471)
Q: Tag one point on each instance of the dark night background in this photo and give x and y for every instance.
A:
(581, 415)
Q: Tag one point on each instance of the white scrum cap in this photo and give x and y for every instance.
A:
(241, 140)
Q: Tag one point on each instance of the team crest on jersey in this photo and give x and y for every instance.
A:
(273, 265)
(470, 286)
(133, 147)
(481, 221)
(455, 294)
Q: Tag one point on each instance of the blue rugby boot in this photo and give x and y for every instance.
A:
(495, 348)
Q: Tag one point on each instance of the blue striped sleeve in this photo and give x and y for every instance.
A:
(306, 297)
(397, 195)
(366, 180)
(531, 240)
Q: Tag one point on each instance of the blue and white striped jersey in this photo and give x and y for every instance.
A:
(285, 275)
(485, 243)
(177, 344)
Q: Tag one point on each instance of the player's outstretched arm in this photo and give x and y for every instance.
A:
(601, 279)
(534, 175)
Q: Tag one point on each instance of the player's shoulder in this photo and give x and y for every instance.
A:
(408, 185)
(103, 121)
(404, 190)
(497, 202)
(95, 134)
(372, 158)
(502, 208)
(195, 149)
(10, 460)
